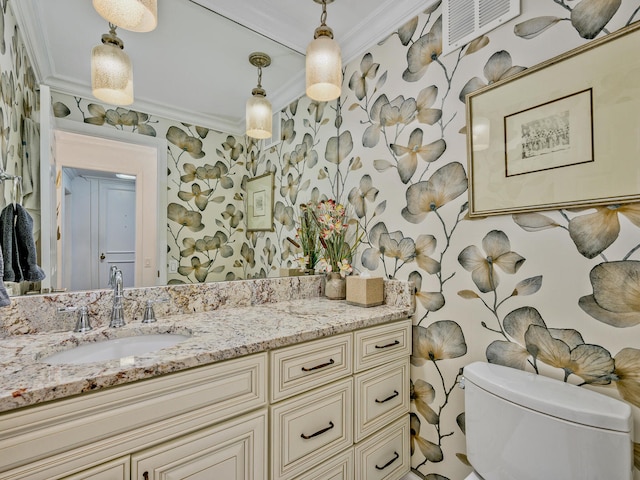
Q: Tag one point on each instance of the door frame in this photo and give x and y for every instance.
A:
(151, 189)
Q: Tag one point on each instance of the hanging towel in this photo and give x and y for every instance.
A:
(4, 296)
(26, 246)
(18, 246)
(12, 272)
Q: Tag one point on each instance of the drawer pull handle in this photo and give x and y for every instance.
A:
(145, 475)
(389, 462)
(394, 395)
(319, 432)
(392, 344)
(317, 367)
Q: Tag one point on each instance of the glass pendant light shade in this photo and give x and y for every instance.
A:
(323, 62)
(323, 69)
(259, 116)
(134, 15)
(258, 113)
(111, 72)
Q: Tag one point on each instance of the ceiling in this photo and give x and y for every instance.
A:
(194, 66)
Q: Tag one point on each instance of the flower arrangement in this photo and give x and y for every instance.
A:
(307, 235)
(333, 225)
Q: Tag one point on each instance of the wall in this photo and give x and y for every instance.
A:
(19, 112)
(557, 296)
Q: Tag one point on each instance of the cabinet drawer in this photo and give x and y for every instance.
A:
(234, 450)
(377, 345)
(385, 455)
(381, 396)
(311, 428)
(339, 467)
(299, 368)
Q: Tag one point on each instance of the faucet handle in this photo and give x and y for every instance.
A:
(83, 324)
(112, 276)
(149, 315)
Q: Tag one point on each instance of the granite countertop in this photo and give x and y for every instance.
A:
(214, 336)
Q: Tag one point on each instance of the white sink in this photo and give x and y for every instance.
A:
(113, 349)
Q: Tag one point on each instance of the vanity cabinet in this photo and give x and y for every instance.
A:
(335, 408)
(97, 435)
(339, 406)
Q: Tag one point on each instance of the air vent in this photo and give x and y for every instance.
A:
(464, 20)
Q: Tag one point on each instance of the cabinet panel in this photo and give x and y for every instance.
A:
(118, 469)
(381, 396)
(339, 467)
(311, 428)
(385, 455)
(302, 367)
(378, 345)
(234, 450)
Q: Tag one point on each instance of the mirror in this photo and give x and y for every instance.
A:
(202, 218)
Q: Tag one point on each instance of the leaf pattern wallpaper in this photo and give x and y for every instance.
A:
(19, 111)
(553, 292)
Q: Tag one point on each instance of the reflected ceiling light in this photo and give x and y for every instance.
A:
(125, 176)
(323, 62)
(111, 70)
(134, 15)
(258, 107)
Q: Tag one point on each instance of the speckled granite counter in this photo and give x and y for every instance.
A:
(258, 323)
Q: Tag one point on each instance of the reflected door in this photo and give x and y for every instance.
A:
(116, 231)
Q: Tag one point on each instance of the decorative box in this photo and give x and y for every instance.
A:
(291, 272)
(365, 291)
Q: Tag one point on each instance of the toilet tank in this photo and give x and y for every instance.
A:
(524, 426)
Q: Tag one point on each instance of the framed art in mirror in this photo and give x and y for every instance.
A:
(259, 203)
(560, 134)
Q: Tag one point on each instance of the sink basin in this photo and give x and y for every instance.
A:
(115, 348)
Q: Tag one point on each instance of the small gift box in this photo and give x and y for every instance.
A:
(365, 291)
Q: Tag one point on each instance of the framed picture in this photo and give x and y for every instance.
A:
(561, 134)
(259, 203)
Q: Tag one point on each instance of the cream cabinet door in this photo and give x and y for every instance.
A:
(234, 450)
(118, 469)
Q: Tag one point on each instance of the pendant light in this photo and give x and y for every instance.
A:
(134, 15)
(111, 70)
(323, 62)
(258, 113)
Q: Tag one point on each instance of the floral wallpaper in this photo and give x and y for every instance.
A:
(19, 109)
(551, 292)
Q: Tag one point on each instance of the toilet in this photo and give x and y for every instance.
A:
(523, 426)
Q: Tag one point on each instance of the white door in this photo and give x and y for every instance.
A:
(116, 223)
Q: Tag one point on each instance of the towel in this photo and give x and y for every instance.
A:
(26, 246)
(18, 245)
(12, 272)
(4, 296)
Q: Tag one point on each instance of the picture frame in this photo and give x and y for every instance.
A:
(561, 134)
(259, 203)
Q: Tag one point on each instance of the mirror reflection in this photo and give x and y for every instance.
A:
(99, 206)
(192, 227)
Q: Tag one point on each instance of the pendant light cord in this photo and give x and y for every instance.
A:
(259, 76)
(323, 16)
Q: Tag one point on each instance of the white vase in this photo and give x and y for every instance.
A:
(335, 286)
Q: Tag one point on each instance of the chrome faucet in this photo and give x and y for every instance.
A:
(112, 276)
(117, 315)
